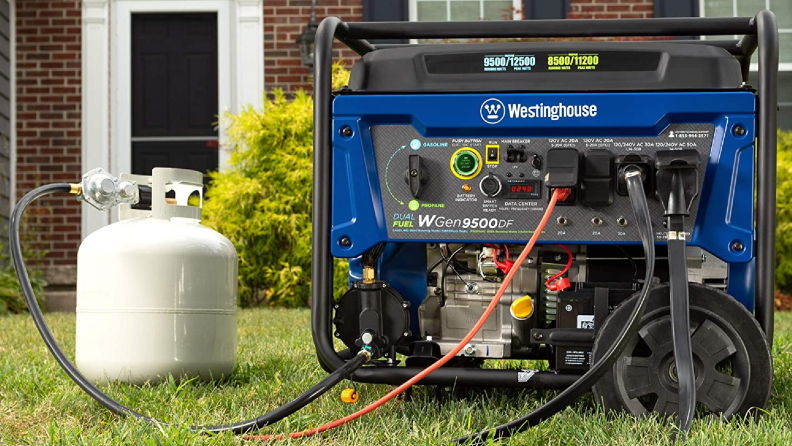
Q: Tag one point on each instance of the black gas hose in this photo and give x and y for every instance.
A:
(603, 366)
(114, 406)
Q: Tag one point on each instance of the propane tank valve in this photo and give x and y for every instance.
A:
(103, 190)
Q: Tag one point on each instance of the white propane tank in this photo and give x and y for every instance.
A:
(157, 291)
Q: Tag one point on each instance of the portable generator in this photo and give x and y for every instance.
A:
(605, 207)
(437, 162)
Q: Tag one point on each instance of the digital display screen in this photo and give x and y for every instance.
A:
(542, 61)
(523, 189)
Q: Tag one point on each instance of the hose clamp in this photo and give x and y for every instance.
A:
(365, 352)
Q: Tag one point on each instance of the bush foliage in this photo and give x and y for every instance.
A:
(11, 299)
(262, 201)
(784, 213)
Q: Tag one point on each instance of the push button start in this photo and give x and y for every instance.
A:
(466, 163)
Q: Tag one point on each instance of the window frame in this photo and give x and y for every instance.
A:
(412, 10)
(786, 66)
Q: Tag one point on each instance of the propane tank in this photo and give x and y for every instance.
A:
(157, 291)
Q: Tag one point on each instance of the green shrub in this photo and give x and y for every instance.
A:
(262, 201)
(784, 213)
(11, 299)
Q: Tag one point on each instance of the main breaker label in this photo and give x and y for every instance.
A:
(478, 188)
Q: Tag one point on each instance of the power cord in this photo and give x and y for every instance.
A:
(114, 406)
(603, 366)
(677, 187)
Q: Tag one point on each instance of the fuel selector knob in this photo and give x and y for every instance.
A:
(491, 185)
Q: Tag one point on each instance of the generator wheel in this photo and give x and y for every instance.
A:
(732, 361)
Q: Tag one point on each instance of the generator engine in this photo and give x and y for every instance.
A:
(519, 327)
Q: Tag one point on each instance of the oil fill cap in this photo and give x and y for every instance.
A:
(522, 308)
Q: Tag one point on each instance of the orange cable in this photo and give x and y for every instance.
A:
(422, 374)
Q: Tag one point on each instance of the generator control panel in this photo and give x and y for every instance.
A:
(466, 188)
(480, 168)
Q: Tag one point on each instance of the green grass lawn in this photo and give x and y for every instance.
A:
(276, 362)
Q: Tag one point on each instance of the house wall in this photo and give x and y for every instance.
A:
(48, 121)
(284, 21)
(6, 99)
(611, 9)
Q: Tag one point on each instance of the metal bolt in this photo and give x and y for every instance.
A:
(405, 305)
(538, 336)
(471, 288)
(406, 333)
(347, 131)
(672, 372)
(345, 241)
(337, 334)
(335, 306)
(737, 246)
(366, 338)
(470, 349)
(438, 291)
(413, 173)
(738, 130)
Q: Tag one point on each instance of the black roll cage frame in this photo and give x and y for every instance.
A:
(759, 32)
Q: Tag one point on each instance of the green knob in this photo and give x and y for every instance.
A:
(466, 163)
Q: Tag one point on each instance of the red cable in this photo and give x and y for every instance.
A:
(562, 284)
(422, 374)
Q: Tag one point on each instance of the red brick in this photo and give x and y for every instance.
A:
(48, 128)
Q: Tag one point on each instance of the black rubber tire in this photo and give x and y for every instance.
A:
(720, 316)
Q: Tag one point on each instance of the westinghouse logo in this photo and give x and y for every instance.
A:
(493, 111)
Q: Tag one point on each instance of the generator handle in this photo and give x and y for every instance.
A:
(760, 31)
(676, 26)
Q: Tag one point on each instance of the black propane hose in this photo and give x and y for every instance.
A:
(600, 368)
(113, 405)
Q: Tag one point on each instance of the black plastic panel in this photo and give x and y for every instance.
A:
(546, 66)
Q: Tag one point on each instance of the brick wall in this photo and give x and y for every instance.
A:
(611, 9)
(284, 21)
(48, 120)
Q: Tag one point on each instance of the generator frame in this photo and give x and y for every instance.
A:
(759, 32)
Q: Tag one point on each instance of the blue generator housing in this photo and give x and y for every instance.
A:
(648, 167)
(429, 123)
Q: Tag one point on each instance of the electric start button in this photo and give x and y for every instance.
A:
(466, 163)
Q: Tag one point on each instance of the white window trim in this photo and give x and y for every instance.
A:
(107, 76)
(413, 10)
(754, 66)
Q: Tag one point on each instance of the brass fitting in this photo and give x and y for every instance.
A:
(76, 188)
(368, 274)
